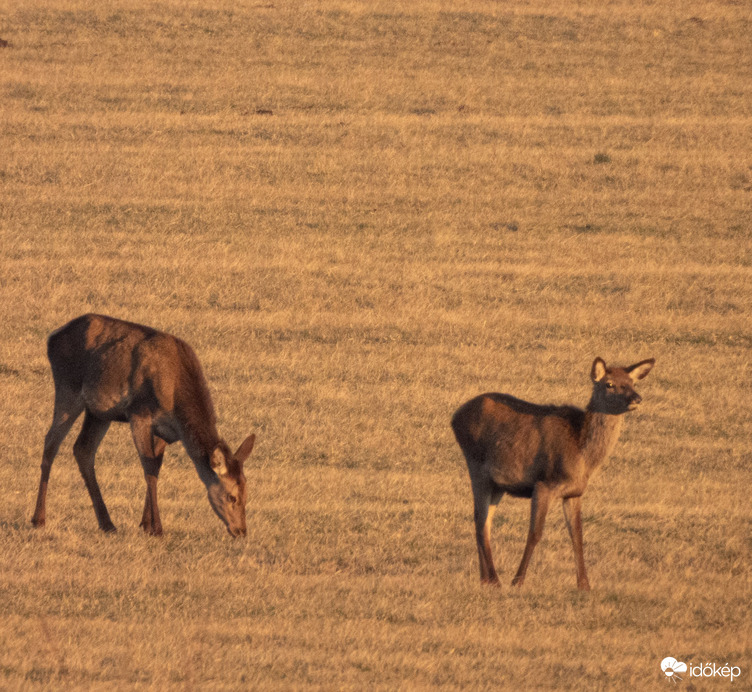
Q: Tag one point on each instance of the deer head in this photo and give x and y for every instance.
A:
(613, 388)
(228, 495)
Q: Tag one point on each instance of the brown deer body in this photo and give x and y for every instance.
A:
(543, 453)
(120, 371)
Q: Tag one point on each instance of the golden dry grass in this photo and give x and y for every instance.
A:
(444, 199)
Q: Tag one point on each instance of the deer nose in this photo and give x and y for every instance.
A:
(635, 399)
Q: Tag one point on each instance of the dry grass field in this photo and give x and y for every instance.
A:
(361, 214)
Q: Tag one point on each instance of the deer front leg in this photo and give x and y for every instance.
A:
(150, 521)
(151, 452)
(538, 510)
(573, 517)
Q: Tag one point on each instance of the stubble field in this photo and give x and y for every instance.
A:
(361, 215)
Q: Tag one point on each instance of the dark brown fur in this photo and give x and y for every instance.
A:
(541, 452)
(118, 371)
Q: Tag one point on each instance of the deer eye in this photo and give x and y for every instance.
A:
(232, 499)
(609, 385)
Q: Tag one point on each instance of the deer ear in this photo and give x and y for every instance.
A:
(641, 369)
(244, 451)
(218, 462)
(599, 370)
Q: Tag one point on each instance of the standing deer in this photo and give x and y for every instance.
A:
(541, 452)
(120, 371)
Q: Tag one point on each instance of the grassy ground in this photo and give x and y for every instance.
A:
(361, 215)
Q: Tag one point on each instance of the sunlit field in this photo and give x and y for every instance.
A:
(360, 215)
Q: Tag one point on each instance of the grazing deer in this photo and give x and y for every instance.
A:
(541, 452)
(120, 371)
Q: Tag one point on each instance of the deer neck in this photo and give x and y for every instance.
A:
(194, 413)
(200, 438)
(599, 435)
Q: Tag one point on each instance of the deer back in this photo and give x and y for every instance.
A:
(122, 369)
(518, 443)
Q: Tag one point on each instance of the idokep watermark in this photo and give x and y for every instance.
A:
(677, 670)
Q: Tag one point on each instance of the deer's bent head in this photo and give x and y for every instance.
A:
(613, 388)
(228, 496)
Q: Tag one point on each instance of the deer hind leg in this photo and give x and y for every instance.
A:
(68, 407)
(85, 450)
(538, 510)
(150, 521)
(573, 517)
(485, 498)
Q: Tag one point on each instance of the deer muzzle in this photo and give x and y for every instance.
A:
(634, 401)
